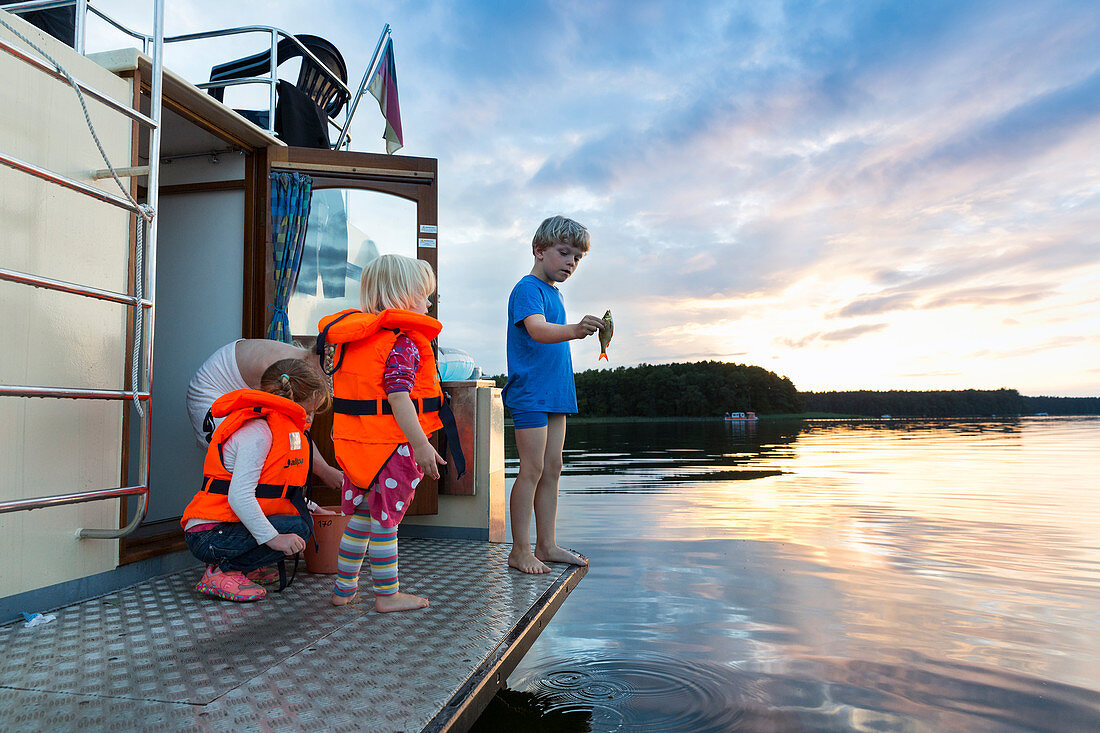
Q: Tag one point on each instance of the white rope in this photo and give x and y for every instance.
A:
(139, 309)
(145, 214)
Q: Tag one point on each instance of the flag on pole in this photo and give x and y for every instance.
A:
(383, 85)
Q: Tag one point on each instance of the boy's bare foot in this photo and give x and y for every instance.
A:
(525, 561)
(399, 602)
(345, 600)
(559, 554)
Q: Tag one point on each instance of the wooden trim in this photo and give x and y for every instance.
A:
(412, 191)
(316, 157)
(206, 187)
(258, 291)
(356, 171)
(152, 540)
(205, 123)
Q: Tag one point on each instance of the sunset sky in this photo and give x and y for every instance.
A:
(852, 194)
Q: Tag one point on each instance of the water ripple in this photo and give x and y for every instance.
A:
(656, 693)
(631, 693)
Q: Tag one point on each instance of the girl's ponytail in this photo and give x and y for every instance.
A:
(297, 381)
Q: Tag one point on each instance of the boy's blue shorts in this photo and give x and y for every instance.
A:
(523, 419)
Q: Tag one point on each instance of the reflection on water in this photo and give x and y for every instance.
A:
(878, 575)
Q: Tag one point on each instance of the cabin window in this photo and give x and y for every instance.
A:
(347, 229)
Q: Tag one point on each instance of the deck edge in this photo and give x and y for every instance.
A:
(471, 698)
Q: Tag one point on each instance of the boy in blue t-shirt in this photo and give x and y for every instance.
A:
(541, 391)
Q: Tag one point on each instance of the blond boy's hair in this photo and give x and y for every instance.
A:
(297, 381)
(394, 281)
(560, 230)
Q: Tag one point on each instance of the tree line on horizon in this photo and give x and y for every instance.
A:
(688, 389)
(947, 403)
(712, 388)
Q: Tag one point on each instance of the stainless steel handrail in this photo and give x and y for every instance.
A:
(271, 79)
(142, 493)
(66, 182)
(354, 103)
(204, 85)
(145, 39)
(62, 286)
(33, 5)
(149, 276)
(261, 29)
(73, 393)
(93, 93)
(61, 499)
(81, 23)
(156, 102)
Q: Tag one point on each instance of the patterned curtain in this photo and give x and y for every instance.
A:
(290, 196)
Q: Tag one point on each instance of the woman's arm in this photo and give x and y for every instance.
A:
(330, 476)
(555, 333)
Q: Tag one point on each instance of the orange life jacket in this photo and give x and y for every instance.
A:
(285, 471)
(364, 431)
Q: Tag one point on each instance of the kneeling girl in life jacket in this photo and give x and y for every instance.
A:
(251, 511)
(387, 400)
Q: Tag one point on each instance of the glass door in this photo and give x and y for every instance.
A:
(348, 227)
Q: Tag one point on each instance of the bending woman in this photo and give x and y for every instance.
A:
(251, 511)
(240, 365)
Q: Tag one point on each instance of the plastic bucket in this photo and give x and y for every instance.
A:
(322, 557)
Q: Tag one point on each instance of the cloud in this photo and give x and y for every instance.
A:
(753, 171)
(838, 336)
(847, 334)
(1026, 130)
(991, 295)
(875, 305)
(1042, 347)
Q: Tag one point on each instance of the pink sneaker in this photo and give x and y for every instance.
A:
(264, 576)
(232, 586)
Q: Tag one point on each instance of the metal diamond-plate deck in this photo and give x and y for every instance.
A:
(158, 656)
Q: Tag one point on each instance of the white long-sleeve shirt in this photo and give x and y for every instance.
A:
(243, 455)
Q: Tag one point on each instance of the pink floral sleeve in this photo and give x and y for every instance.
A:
(400, 372)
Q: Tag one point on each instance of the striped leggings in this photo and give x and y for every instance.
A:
(365, 535)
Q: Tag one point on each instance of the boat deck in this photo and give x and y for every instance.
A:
(159, 656)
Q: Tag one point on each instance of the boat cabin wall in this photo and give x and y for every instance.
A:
(54, 446)
(200, 291)
(213, 275)
(201, 271)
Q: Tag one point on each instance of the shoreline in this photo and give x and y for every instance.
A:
(792, 417)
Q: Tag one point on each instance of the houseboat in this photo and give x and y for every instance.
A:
(138, 238)
(741, 417)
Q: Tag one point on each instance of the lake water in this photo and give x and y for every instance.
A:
(827, 576)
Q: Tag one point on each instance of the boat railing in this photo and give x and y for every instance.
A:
(271, 79)
(275, 34)
(144, 278)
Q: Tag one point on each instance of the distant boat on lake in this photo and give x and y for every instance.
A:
(741, 417)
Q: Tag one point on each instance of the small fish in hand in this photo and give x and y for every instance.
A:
(606, 332)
